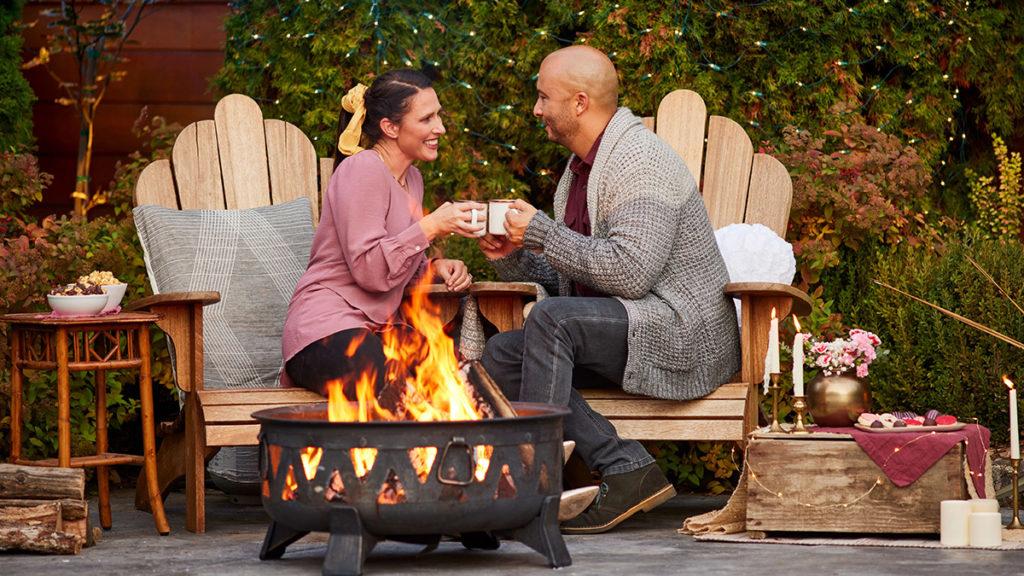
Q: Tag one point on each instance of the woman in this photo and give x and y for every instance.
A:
(372, 237)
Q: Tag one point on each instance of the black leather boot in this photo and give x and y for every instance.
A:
(621, 496)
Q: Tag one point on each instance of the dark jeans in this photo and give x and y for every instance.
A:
(342, 355)
(568, 343)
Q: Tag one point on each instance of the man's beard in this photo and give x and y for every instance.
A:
(563, 128)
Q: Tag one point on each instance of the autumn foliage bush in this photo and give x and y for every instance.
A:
(852, 186)
(35, 256)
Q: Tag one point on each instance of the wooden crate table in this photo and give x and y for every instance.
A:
(828, 484)
(84, 343)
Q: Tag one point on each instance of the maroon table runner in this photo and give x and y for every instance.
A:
(905, 456)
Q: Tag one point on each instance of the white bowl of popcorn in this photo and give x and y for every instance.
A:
(113, 287)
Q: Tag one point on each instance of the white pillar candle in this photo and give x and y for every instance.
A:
(1014, 430)
(953, 522)
(798, 360)
(985, 529)
(773, 345)
(984, 505)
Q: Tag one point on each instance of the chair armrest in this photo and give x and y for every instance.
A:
(801, 301)
(182, 321)
(504, 304)
(503, 289)
(171, 298)
(447, 302)
(433, 290)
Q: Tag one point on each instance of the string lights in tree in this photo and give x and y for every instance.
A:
(899, 64)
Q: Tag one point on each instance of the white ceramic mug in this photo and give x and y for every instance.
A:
(496, 210)
(479, 219)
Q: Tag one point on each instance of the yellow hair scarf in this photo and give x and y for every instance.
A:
(348, 142)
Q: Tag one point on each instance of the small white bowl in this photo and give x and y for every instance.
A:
(78, 305)
(115, 292)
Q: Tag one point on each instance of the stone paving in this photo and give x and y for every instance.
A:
(646, 544)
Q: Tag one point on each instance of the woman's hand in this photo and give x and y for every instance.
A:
(453, 273)
(495, 247)
(452, 218)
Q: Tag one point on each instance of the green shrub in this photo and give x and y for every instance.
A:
(15, 95)
(905, 67)
(709, 467)
(936, 361)
(998, 200)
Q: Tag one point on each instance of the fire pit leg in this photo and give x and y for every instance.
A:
(349, 544)
(542, 534)
(278, 538)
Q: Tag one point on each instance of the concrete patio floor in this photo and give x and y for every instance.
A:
(646, 544)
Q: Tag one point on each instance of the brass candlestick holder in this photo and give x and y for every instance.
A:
(775, 427)
(800, 406)
(1015, 476)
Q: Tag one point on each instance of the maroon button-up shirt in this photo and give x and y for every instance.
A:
(577, 216)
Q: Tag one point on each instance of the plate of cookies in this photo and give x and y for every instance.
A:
(931, 421)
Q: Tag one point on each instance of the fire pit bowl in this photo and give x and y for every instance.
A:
(411, 481)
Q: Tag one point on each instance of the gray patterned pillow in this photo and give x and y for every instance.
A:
(254, 258)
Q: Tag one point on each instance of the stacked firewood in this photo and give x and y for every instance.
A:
(43, 509)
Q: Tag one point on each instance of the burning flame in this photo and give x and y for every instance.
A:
(483, 461)
(391, 491)
(773, 313)
(422, 459)
(421, 364)
(362, 460)
(290, 485)
(310, 457)
(1009, 383)
(796, 323)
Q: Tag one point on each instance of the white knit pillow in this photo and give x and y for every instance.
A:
(754, 253)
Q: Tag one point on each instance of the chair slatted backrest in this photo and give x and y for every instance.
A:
(737, 185)
(237, 160)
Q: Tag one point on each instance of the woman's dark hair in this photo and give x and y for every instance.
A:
(388, 97)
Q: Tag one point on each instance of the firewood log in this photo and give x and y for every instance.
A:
(44, 516)
(37, 482)
(490, 391)
(39, 540)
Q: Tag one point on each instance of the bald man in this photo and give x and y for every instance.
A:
(635, 275)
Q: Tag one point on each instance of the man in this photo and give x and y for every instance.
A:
(632, 258)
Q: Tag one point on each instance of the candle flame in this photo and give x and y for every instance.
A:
(796, 322)
(1009, 383)
(773, 313)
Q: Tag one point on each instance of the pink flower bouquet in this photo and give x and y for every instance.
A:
(836, 357)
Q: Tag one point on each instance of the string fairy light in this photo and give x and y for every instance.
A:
(675, 27)
(756, 477)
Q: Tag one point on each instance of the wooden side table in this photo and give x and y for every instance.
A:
(825, 483)
(96, 343)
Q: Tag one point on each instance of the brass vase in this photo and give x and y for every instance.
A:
(838, 400)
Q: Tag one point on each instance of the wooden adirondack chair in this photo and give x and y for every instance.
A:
(237, 160)
(737, 186)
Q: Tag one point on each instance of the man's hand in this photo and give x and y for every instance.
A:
(453, 273)
(495, 247)
(517, 219)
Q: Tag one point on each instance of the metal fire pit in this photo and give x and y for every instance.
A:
(517, 498)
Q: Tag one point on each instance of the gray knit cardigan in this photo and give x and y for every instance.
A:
(652, 247)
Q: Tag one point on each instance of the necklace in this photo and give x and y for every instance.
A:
(403, 185)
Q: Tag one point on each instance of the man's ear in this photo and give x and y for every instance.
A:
(581, 102)
(388, 128)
